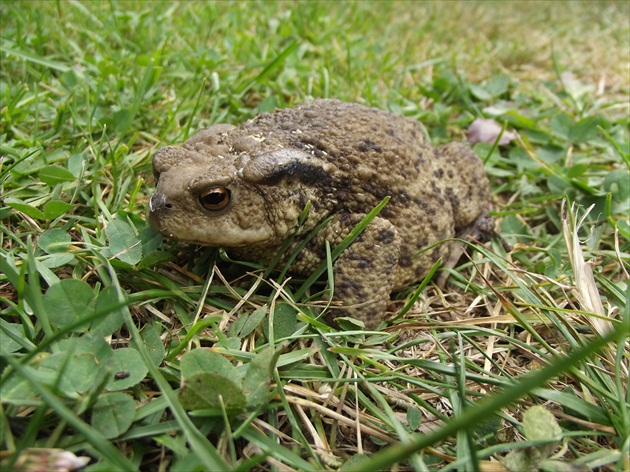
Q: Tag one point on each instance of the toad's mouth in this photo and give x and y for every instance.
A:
(237, 238)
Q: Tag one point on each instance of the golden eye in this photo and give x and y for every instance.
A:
(215, 199)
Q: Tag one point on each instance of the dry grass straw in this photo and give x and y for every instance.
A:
(585, 289)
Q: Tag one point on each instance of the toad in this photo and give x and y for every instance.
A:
(244, 188)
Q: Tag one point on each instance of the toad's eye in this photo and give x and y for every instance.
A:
(215, 199)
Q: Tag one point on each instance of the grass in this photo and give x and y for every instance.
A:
(101, 321)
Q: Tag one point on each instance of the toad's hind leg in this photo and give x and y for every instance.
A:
(481, 231)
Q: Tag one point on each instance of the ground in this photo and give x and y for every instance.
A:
(102, 322)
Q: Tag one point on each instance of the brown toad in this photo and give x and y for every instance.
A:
(244, 187)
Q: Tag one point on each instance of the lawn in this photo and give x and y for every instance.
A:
(124, 351)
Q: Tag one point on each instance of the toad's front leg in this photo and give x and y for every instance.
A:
(364, 273)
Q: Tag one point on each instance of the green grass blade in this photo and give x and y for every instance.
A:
(35, 59)
(96, 439)
(204, 450)
(342, 246)
(476, 413)
(277, 62)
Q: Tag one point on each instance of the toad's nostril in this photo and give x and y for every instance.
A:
(158, 202)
